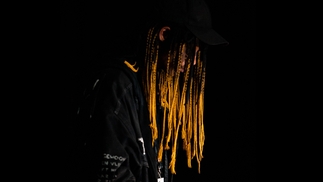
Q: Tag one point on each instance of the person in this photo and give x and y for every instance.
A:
(136, 112)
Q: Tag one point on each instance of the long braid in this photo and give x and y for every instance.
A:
(175, 110)
(183, 104)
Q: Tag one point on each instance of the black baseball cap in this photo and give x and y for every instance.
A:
(195, 15)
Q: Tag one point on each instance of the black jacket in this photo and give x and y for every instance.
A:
(114, 138)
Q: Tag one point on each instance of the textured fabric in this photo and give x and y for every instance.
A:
(115, 138)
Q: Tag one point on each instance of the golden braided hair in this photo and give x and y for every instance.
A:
(183, 104)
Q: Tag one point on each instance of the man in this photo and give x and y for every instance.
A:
(136, 112)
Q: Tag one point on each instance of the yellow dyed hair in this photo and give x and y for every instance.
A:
(183, 104)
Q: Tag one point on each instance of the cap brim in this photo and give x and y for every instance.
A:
(208, 36)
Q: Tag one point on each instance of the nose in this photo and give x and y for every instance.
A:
(181, 69)
(197, 49)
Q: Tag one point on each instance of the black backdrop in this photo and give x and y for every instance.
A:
(89, 28)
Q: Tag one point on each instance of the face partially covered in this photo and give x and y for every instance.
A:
(164, 51)
(184, 58)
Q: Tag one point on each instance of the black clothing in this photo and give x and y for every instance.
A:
(114, 134)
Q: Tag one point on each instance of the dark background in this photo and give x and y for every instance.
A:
(89, 30)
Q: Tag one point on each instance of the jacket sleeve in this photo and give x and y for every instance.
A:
(114, 143)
